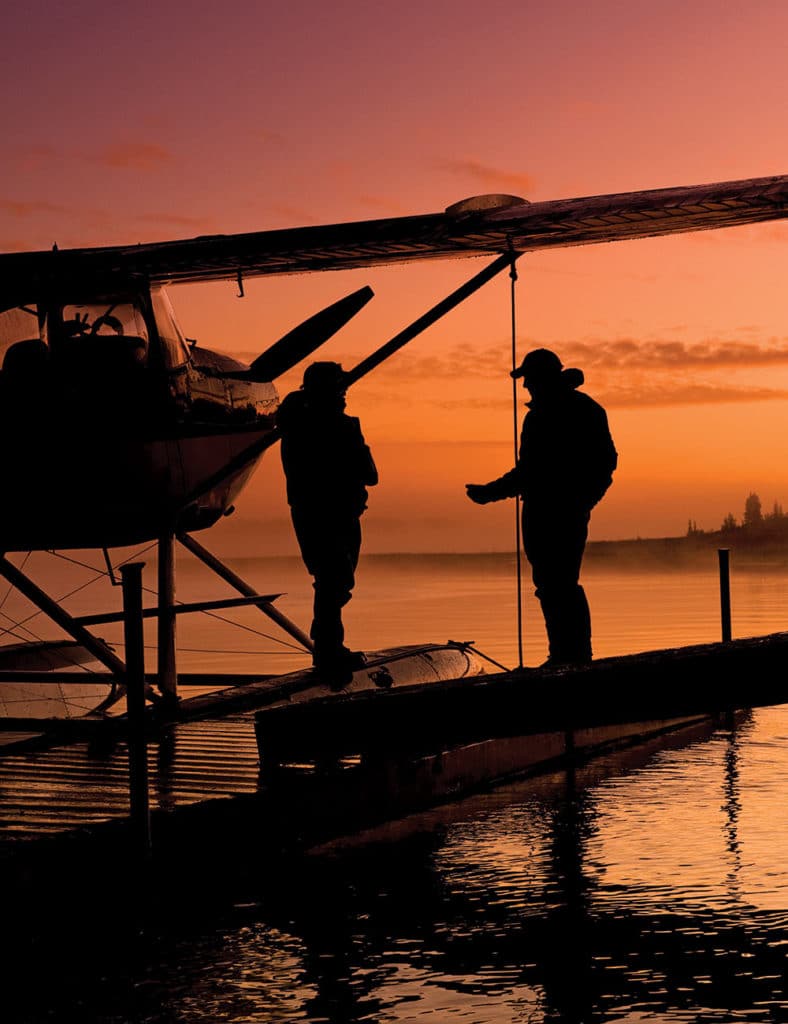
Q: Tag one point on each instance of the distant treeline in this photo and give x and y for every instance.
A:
(759, 536)
(755, 525)
(753, 522)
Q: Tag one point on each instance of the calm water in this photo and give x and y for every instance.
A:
(427, 598)
(651, 887)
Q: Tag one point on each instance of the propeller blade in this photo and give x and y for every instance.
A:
(304, 339)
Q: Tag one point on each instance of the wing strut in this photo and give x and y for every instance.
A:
(443, 307)
(430, 317)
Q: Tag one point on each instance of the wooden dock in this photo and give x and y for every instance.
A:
(264, 770)
(667, 684)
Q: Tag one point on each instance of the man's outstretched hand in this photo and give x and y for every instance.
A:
(479, 493)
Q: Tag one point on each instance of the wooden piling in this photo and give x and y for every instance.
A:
(167, 667)
(725, 593)
(139, 804)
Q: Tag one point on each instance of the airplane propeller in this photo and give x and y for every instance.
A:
(307, 336)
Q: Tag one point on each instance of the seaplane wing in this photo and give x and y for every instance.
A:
(473, 227)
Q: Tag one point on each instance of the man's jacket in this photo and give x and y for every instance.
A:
(567, 455)
(328, 465)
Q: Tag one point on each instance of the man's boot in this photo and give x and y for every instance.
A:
(568, 623)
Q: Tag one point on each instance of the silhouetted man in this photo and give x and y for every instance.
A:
(565, 465)
(328, 468)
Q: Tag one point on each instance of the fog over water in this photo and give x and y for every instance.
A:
(404, 599)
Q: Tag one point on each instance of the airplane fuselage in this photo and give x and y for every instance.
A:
(115, 428)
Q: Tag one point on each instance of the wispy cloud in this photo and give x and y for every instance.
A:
(384, 204)
(135, 156)
(34, 155)
(29, 207)
(642, 394)
(176, 219)
(490, 177)
(629, 353)
(657, 393)
(463, 360)
(16, 245)
(625, 372)
(624, 355)
(294, 215)
(262, 135)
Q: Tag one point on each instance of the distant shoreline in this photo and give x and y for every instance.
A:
(686, 553)
(697, 551)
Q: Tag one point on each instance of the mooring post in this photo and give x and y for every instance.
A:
(725, 592)
(139, 805)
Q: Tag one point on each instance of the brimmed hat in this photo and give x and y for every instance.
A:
(539, 362)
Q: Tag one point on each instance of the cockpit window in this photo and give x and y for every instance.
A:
(19, 324)
(111, 319)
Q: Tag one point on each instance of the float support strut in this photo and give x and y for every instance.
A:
(57, 613)
(244, 588)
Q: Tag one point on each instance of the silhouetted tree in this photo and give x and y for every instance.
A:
(776, 513)
(753, 516)
(729, 523)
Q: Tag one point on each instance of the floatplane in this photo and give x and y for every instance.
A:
(119, 430)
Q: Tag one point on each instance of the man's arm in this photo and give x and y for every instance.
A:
(506, 486)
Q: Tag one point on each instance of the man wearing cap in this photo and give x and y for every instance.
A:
(565, 466)
(328, 468)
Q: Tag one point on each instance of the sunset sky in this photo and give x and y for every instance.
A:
(146, 122)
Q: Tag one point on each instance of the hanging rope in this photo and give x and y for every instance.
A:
(517, 541)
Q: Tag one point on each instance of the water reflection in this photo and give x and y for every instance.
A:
(732, 809)
(516, 913)
(647, 887)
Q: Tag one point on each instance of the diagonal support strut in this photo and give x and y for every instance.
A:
(58, 614)
(246, 589)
